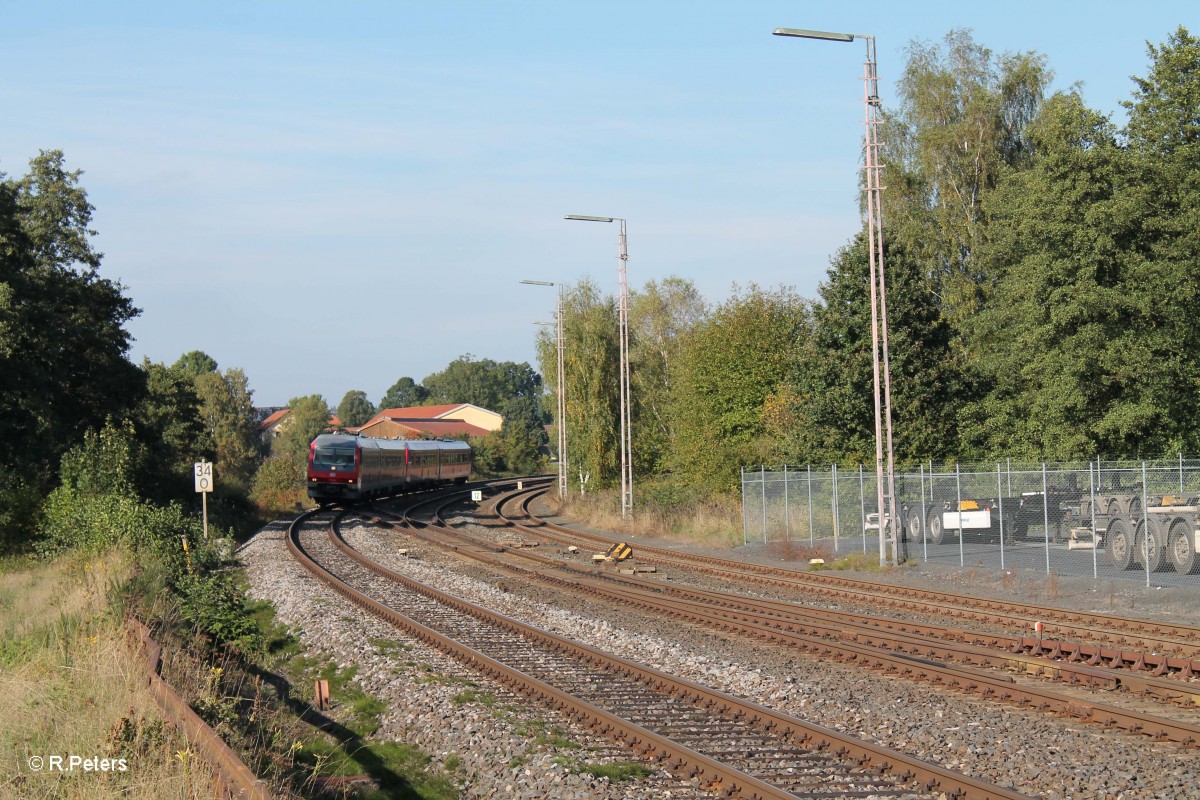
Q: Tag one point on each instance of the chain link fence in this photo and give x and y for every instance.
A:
(1136, 520)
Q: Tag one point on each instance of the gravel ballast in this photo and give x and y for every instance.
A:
(505, 749)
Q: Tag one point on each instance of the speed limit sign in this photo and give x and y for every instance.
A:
(204, 476)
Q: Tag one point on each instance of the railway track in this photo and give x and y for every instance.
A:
(731, 745)
(1156, 648)
(900, 654)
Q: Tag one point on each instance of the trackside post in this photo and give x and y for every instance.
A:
(204, 484)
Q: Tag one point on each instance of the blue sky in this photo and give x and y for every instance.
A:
(333, 195)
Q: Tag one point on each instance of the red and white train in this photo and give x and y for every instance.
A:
(342, 467)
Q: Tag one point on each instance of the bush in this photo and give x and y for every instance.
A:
(279, 484)
(487, 455)
(20, 504)
(96, 522)
(216, 604)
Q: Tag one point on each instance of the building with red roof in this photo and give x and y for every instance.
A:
(466, 413)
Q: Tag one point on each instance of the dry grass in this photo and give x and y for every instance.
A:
(709, 524)
(71, 684)
(792, 550)
(280, 503)
(1050, 589)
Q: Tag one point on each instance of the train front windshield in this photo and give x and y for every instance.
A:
(338, 456)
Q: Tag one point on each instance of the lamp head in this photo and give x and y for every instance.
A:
(825, 35)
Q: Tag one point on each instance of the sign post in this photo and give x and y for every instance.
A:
(204, 484)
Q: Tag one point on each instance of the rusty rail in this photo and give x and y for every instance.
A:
(1158, 640)
(895, 653)
(234, 780)
(648, 743)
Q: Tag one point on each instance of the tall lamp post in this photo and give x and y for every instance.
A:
(623, 328)
(885, 482)
(561, 387)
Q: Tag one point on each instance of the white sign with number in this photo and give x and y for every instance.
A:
(204, 476)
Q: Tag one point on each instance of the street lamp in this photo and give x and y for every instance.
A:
(623, 331)
(562, 389)
(881, 371)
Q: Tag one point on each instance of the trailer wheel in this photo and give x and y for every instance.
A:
(1135, 507)
(1120, 544)
(916, 530)
(937, 534)
(1183, 552)
(1150, 547)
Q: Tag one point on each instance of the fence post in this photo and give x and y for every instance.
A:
(862, 506)
(810, 508)
(834, 496)
(1181, 473)
(787, 513)
(1145, 528)
(745, 506)
(921, 512)
(962, 557)
(764, 502)
(1046, 515)
(1000, 500)
(1095, 533)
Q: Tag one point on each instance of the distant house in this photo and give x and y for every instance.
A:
(399, 428)
(463, 413)
(273, 425)
(277, 421)
(262, 412)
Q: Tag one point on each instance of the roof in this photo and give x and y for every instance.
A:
(273, 419)
(427, 412)
(430, 427)
(417, 412)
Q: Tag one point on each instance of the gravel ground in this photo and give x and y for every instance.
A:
(503, 747)
(1035, 754)
(1127, 597)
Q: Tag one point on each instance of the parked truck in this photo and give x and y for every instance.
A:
(1165, 533)
(985, 518)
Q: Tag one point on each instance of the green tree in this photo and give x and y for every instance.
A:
(195, 363)
(591, 354)
(660, 315)
(831, 414)
(227, 409)
(171, 433)
(309, 416)
(1089, 346)
(63, 341)
(1163, 142)
(1065, 317)
(523, 435)
(404, 393)
(1164, 114)
(732, 364)
(355, 409)
(483, 383)
(962, 121)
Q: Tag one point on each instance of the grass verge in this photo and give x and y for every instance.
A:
(74, 685)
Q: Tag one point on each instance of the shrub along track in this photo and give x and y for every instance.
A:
(845, 637)
(1137, 645)
(732, 745)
